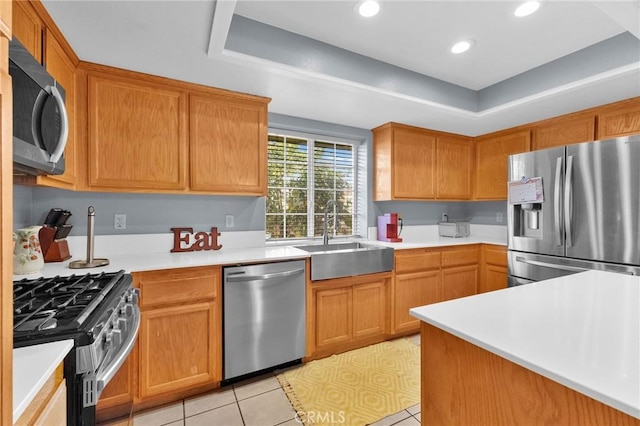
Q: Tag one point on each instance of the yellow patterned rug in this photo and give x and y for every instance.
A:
(357, 387)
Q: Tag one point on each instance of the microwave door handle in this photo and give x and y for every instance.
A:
(64, 126)
(36, 118)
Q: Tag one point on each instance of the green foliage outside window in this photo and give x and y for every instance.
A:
(305, 173)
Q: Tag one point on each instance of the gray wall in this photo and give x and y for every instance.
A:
(157, 213)
(146, 213)
(430, 212)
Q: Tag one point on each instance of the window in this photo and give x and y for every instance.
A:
(305, 175)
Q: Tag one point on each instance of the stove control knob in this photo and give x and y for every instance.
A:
(132, 296)
(126, 310)
(114, 338)
(122, 324)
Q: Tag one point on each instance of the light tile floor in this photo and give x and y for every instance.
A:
(256, 402)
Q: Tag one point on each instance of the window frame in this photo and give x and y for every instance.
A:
(358, 187)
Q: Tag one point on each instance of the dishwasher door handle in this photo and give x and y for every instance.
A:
(242, 277)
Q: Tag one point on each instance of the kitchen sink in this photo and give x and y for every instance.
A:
(347, 259)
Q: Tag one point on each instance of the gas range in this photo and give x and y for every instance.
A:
(98, 311)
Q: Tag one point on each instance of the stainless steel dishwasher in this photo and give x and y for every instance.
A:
(264, 316)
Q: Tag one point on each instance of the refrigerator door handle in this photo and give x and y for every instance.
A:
(568, 200)
(556, 202)
(550, 265)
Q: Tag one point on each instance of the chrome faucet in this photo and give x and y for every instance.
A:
(325, 234)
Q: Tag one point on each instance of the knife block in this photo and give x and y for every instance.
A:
(53, 250)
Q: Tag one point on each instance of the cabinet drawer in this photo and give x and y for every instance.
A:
(177, 285)
(460, 256)
(495, 255)
(416, 260)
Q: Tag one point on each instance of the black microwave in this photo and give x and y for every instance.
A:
(40, 123)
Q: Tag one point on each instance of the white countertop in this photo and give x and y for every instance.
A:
(582, 331)
(32, 366)
(153, 261)
(152, 251)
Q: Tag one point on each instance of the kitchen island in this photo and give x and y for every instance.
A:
(561, 351)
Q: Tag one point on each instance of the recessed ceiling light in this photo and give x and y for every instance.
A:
(368, 8)
(462, 46)
(526, 9)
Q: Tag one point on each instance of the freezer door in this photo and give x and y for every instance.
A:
(602, 201)
(538, 227)
(527, 267)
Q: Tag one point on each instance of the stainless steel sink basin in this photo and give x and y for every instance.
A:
(347, 259)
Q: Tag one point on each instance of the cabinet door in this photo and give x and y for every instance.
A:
(460, 281)
(454, 165)
(119, 391)
(333, 316)
(369, 310)
(412, 290)
(564, 132)
(63, 70)
(176, 350)
(137, 134)
(5, 19)
(228, 146)
(622, 120)
(495, 278)
(413, 164)
(491, 163)
(27, 27)
(55, 412)
(494, 268)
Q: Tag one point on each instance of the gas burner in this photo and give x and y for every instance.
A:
(68, 301)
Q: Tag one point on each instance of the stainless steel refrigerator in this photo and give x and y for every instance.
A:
(587, 215)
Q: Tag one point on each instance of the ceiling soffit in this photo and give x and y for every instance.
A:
(253, 40)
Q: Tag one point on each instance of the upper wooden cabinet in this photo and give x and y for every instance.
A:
(564, 131)
(152, 134)
(492, 152)
(416, 164)
(137, 134)
(27, 27)
(228, 145)
(5, 19)
(405, 163)
(454, 165)
(619, 119)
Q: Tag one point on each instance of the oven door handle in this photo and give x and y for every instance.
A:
(105, 375)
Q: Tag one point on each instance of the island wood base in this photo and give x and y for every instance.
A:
(463, 384)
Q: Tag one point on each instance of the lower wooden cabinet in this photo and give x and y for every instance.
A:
(55, 412)
(346, 313)
(431, 275)
(460, 271)
(417, 282)
(120, 390)
(176, 350)
(179, 346)
(494, 274)
(49, 404)
(459, 281)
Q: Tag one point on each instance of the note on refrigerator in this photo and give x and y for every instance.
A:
(526, 190)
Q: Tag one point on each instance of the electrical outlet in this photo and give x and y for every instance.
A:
(229, 219)
(120, 221)
(444, 218)
(499, 217)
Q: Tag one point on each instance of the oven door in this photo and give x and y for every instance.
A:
(117, 356)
